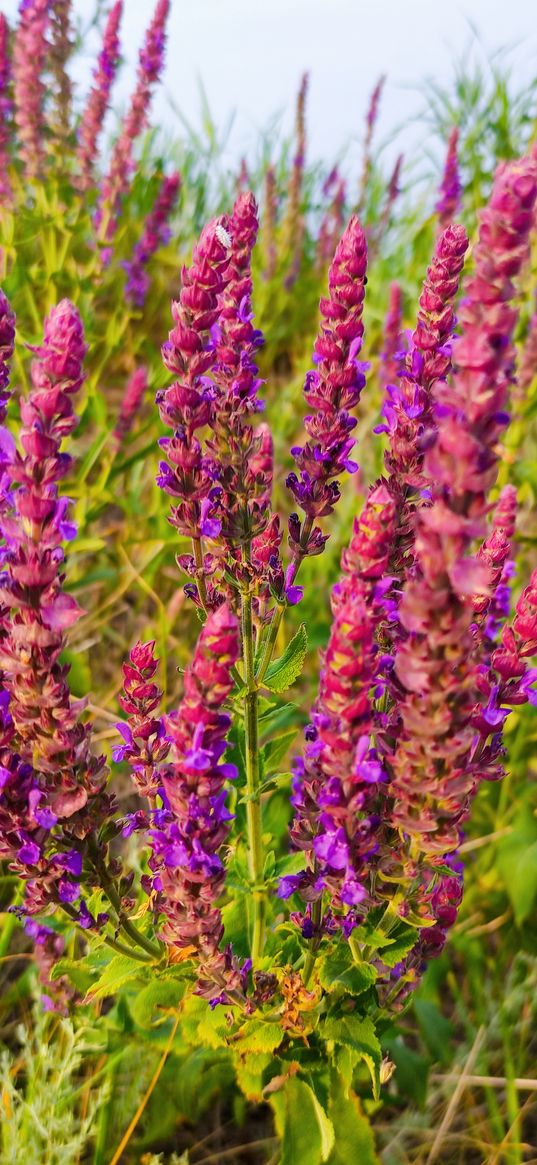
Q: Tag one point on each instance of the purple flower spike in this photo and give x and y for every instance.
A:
(6, 109)
(335, 787)
(449, 202)
(435, 763)
(116, 181)
(53, 782)
(146, 743)
(29, 58)
(92, 120)
(189, 874)
(331, 390)
(155, 234)
(134, 394)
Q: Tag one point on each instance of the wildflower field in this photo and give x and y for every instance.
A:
(268, 620)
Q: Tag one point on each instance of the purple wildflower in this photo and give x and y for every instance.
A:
(449, 202)
(29, 57)
(155, 234)
(130, 405)
(6, 108)
(93, 116)
(116, 181)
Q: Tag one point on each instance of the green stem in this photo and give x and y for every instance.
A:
(316, 918)
(200, 576)
(130, 929)
(253, 803)
(277, 617)
(270, 642)
(114, 943)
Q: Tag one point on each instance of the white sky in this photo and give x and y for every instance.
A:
(250, 55)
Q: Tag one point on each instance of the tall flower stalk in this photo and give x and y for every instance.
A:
(6, 108)
(93, 115)
(117, 180)
(29, 58)
(156, 233)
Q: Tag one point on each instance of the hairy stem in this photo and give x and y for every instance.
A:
(113, 943)
(126, 925)
(277, 617)
(253, 803)
(200, 576)
(316, 918)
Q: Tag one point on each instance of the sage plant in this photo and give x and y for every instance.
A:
(316, 933)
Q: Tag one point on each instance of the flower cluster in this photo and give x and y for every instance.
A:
(29, 57)
(436, 766)
(370, 123)
(191, 829)
(7, 345)
(392, 353)
(333, 219)
(61, 47)
(188, 474)
(5, 107)
(408, 407)
(49, 777)
(130, 405)
(116, 181)
(336, 786)
(92, 120)
(449, 201)
(155, 234)
(294, 224)
(146, 745)
(331, 390)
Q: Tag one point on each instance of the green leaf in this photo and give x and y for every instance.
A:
(274, 751)
(285, 670)
(339, 972)
(120, 970)
(355, 1144)
(357, 1033)
(258, 1035)
(250, 1069)
(162, 994)
(400, 944)
(307, 1132)
(76, 970)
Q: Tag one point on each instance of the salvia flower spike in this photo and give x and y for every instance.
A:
(335, 790)
(50, 777)
(29, 58)
(331, 390)
(117, 180)
(449, 201)
(435, 777)
(155, 234)
(93, 115)
(190, 831)
(6, 108)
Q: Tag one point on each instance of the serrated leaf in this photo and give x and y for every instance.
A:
(357, 1033)
(120, 970)
(80, 974)
(307, 1132)
(274, 751)
(400, 945)
(259, 1036)
(337, 972)
(161, 994)
(354, 1141)
(285, 670)
(250, 1069)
